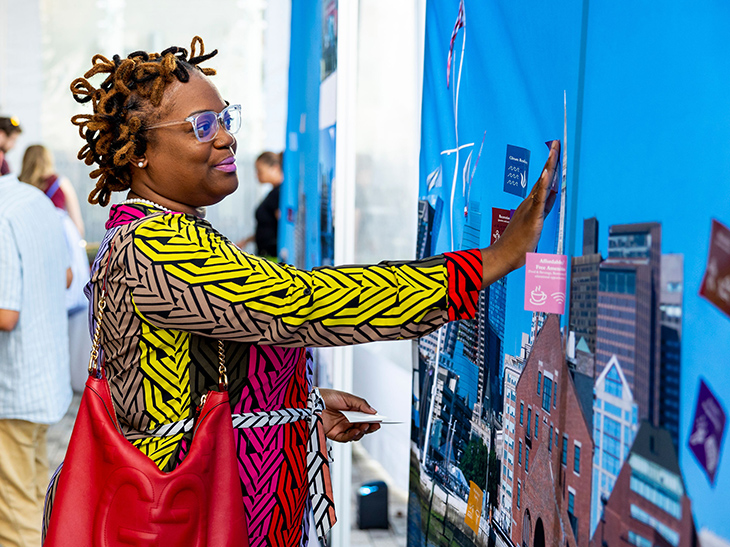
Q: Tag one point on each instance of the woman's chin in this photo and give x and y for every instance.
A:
(223, 189)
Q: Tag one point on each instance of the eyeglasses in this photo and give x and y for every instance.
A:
(206, 124)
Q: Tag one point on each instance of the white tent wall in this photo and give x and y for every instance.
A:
(277, 29)
(45, 44)
(21, 71)
(390, 60)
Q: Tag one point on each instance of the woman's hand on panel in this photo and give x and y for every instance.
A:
(524, 229)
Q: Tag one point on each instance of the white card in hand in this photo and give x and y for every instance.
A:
(361, 417)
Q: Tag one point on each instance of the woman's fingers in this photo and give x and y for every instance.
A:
(372, 428)
(523, 231)
(541, 189)
(353, 402)
(363, 406)
(341, 400)
(354, 433)
(360, 433)
(552, 196)
(338, 428)
(366, 430)
(357, 432)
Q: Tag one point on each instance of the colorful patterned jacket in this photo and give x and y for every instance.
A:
(175, 286)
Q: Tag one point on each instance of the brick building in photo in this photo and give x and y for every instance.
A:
(553, 450)
(649, 504)
(513, 366)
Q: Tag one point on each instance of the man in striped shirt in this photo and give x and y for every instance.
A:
(35, 388)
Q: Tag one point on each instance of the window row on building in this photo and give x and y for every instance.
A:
(621, 326)
(617, 281)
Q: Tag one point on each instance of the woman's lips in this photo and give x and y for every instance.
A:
(228, 165)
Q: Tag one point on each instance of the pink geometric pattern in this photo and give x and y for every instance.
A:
(269, 468)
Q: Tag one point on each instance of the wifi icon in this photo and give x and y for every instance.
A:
(559, 297)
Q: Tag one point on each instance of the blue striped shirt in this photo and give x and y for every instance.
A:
(35, 383)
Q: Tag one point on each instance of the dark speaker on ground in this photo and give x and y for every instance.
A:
(372, 505)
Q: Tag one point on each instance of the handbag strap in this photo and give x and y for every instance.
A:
(95, 366)
(53, 187)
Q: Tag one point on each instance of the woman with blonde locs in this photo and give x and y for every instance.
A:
(175, 287)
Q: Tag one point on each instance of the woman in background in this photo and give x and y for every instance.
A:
(269, 169)
(39, 170)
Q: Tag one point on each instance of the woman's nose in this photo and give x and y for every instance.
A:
(224, 139)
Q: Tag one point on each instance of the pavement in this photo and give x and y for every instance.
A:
(364, 469)
(60, 433)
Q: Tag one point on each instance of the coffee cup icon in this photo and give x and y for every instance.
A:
(537, 297)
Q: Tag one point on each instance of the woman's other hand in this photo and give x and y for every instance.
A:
(336, 426)
(524, 229)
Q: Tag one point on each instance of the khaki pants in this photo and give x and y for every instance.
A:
(23, 482)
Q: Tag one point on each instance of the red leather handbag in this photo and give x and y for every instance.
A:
(110, 494)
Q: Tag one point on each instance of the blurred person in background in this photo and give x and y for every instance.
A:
(38, 171)
(176, 289)
(9, 131)
(35, 389)
(269, 169)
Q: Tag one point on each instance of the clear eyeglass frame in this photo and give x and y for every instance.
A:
(207, 124)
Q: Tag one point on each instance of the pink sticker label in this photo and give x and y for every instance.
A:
(545, 278)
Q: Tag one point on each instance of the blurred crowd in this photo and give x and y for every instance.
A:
(44, 269)
(44, 340)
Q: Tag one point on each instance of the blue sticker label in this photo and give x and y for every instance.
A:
(516, 168)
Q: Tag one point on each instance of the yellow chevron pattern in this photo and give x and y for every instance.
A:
(160, 450)
(327, 299)
(164, 362)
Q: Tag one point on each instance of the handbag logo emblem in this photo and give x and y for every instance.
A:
(134, 511)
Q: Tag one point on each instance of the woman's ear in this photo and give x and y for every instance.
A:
(140, 162)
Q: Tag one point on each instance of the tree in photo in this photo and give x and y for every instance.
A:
(474, 462)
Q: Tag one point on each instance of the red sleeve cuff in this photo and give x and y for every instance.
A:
(464, 280)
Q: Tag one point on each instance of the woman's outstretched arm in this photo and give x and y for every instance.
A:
(189, 278)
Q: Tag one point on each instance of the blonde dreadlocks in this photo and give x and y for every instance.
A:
(115, 132)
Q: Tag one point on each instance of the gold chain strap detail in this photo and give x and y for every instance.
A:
(95, 343)
(222, 376)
